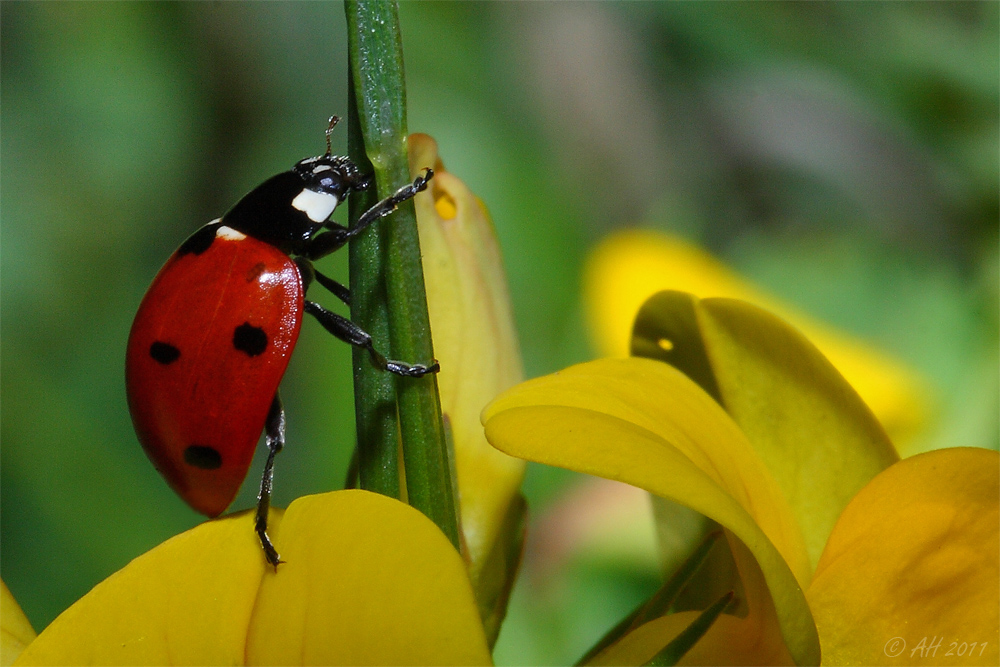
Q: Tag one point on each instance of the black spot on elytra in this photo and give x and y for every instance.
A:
(200, 241)
(165, 353)
(250, 339)
(200, 456)
(255, 271)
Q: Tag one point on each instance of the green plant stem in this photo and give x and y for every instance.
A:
(376, 65)
(374, 390)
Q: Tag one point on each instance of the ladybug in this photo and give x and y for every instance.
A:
(216, 329)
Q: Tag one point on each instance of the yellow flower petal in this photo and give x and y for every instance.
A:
(187, 602)
(629, 267)
(645, 423)
(730, 641)
(15, 630)
(368, 581)
(474, 339)
(817, 437)
(914, 561)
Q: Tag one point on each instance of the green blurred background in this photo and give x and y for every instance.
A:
(843, 155)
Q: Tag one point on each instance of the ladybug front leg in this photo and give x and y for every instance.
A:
(349, 332)
(338, 235)
(274, 435)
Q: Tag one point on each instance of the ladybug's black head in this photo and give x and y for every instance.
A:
(330, 174)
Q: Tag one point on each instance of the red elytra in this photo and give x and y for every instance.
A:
(207, 351)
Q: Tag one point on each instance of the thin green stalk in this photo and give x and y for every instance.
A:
(374, 390)
(376, 65)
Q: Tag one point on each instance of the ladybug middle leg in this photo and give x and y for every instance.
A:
(349, 332)
(274, 435)
(309, 273)
(335, 288)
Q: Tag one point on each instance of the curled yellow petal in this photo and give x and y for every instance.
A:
(15, 630)
(645, 423)
(815, 435)
(474, 339)
(368, 581)
(911, 573)
(187, 602)
(629, 267)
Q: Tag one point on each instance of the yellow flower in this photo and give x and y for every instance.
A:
(368, 580)
(631, 266)
(826, 551)
(476, 343)
(15, 630)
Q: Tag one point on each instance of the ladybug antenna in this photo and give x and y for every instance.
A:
(329, 130)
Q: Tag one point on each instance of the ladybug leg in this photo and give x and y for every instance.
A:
(335, 288)
(349, 332)
(274, 435)
(389, 204)
(338, 235)
(329, 241)
(309, 273)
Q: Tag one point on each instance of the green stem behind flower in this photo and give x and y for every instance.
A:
(376, 65)
(661, 601)
(689, 636)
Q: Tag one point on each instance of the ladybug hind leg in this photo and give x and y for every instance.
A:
(349, 332)
(274, 435)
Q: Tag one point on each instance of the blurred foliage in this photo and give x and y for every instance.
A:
(844, 155)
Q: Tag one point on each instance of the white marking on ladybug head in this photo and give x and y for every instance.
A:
(229, 234)
(317, 205)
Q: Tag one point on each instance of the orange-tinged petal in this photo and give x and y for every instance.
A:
(368, 581)
(187, 602)
(631, 266)
(730, 641)
(474, 339)
(15, 630)
(915, 556)
(645, 423)
(738, 639)
(817, 437)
